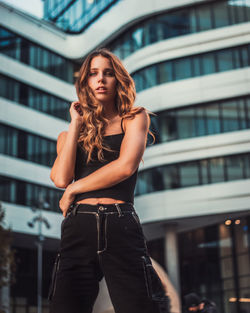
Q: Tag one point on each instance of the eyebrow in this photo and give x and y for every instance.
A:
(107, 68)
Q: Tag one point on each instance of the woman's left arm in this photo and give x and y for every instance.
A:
(131, 152)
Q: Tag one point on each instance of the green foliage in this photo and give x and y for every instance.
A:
(7, 261)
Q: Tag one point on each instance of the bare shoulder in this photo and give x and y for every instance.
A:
(139, 121)
(62, 136)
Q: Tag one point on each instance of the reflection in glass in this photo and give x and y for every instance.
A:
(225, 242)
(33, 98)
(204, 17)
(189, 174)
(196, 18)
(217, 170)
(200, 121)
(225, 60)
(165, 71)
(38, 57)
(21, 144)
(20, 192)
(208, 63)
(185, 123)
(221, 17)
(213, 119)
(229, 114)
(212, 171)
(235, 168)
(182, 69)
(171, 177)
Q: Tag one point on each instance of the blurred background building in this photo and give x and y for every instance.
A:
(190, 61)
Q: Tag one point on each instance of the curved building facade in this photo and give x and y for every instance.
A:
(190, 61)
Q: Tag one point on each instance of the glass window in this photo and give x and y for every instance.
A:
(241, 113)
(150, 32)
(167, 123)
(208, 63)
(185, 123)
(165, 71)
(213, 119)
(226, 267)
(225, 60)
(193, 27)
(127, 45)
(170, 176)
(182, 68)
(200, 121)
(246, 160)
(150, 77)
(235, 167)
(204, 172)
(144, 183)
(216, 167)
(137, 38)
(189, 174)
(225, 242)
(229, 114)
(248, 111)
(221, 16)
(204, 17)
(244, 56)
(138, 79)
(238, 10)
(196, 64)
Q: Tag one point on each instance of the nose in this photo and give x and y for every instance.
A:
(100, 77)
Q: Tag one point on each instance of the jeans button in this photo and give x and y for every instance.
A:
(101, 208)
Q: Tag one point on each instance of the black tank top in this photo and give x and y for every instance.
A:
(121, 191)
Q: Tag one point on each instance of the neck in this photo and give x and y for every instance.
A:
(110, 111)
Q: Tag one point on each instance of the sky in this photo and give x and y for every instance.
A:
(34, 7)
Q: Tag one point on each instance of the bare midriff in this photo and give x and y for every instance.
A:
(100, 201)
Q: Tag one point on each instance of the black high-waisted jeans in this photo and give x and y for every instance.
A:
(104, 240)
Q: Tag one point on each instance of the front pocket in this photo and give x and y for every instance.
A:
(154, 286)
(52, 287)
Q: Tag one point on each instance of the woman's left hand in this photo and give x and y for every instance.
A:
(66, 200)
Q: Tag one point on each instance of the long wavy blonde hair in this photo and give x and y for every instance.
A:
(94, 122)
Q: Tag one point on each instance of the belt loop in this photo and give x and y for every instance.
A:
(118, 209)
(75, 209)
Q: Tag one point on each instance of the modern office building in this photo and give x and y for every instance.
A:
(190, 61)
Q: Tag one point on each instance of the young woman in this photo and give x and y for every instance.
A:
(97, 164)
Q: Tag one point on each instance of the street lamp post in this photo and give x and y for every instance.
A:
(41, 220)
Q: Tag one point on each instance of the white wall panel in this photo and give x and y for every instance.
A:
(188, 202)
(197, 148)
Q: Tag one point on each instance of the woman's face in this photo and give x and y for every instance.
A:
(102, 79)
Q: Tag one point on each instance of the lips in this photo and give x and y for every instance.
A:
(101, 88)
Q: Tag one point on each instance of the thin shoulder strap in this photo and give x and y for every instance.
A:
(122, 126)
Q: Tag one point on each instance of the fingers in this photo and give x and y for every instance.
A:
(76, 105)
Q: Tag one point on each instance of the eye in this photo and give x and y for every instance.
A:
(92, 74)
(109, 73)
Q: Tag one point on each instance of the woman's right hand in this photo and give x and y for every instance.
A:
(76, 112)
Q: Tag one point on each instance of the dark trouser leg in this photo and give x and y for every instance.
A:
(133, 284)
(75, 282)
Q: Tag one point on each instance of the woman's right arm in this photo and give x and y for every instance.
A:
(62, 172)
